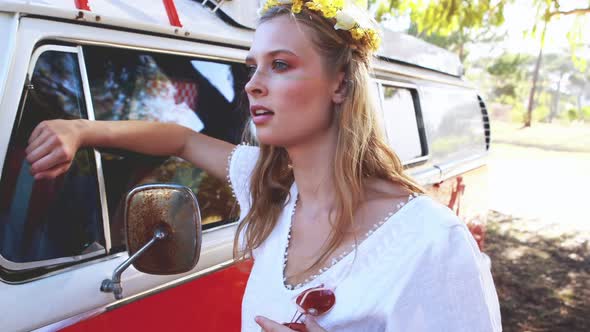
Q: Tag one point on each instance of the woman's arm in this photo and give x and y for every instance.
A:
(53, 144)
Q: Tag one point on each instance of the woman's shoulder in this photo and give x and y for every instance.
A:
(437, 226)
(241, 163)
(244, 153)
(434, 213)
(418, 210)
(423, 219)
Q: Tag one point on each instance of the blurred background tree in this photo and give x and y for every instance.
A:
(518, 80)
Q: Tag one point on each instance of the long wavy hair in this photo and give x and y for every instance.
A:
(361, 153)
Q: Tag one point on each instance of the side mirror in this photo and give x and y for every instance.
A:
(163, 226)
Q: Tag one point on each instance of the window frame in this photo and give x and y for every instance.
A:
(27, 272)
(50, 263)
(36, 31)
(414, 91)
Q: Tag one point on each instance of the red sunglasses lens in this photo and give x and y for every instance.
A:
(316, 301)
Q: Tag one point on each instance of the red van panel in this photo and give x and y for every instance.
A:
(210, 303)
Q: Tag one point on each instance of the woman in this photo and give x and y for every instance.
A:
(325, 203)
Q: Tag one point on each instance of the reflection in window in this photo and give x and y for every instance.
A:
(401, 125)
(49, 219)
(220, 76)
(205, 96)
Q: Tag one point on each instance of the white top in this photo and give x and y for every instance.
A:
(419, 271)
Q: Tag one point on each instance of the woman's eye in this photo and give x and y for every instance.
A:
(279, 65)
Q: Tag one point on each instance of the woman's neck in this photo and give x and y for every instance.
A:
(313, 169)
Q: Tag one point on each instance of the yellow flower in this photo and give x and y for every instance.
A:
(328, 8)
(357, 33)
(345, 19)
(374, 40)
(312, 6)
(297, 6)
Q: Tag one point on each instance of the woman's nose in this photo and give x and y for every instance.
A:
(256, 86)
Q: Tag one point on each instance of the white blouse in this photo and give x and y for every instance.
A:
(421, 270)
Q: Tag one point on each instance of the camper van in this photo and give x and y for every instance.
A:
(176, 61)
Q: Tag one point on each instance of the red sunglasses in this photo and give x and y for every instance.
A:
(314, 301)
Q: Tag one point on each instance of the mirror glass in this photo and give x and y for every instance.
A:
(172, 209)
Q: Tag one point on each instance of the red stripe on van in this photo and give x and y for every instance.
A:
(172, 13)
(82, 4)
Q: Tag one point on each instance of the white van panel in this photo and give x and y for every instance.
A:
(197, 21)
(8, 27)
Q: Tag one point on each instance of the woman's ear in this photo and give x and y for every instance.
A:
(341, 89)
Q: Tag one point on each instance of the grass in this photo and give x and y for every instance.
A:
(573, 137)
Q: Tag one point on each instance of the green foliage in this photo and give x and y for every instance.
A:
(509, 65)
(457, 24)
(505, 90)
(571, 114)
(550, 10)
(445, 16)
(575, 37)
(542, 107)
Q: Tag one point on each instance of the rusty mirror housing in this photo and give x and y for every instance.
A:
(172, 209)
(163, 228)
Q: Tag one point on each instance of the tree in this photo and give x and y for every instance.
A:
(445, 16)
(451, 24)
(459, 40)
(548, 10)
(580, 84)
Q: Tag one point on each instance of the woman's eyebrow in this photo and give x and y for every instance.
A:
(250, 59)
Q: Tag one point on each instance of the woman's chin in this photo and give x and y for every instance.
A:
(267, 136)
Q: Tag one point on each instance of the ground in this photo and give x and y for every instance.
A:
(538, 230)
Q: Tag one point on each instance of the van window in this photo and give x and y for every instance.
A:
(403, 123)
(204, 95)
(49, 221)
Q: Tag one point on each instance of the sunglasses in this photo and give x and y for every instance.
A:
(314, 301)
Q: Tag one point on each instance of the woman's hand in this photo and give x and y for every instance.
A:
(268, 325)
(52, 147)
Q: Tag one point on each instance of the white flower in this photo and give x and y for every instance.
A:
(285, 2)
(344, 20)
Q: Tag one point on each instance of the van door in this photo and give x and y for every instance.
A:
(60, 238)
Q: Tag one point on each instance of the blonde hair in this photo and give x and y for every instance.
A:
(361, 153)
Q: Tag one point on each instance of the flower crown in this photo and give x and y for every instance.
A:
(345, 18)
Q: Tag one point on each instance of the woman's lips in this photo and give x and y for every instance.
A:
(260, 114)
(262, 119)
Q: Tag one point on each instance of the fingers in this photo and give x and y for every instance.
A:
(54, 172)
(268, 325)
(312, 325)
(38, 140)
(51, 149)
(37, 131)
(38, 151)
(48, 163)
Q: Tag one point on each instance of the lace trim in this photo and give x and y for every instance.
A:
(334, 260)
(228, 166)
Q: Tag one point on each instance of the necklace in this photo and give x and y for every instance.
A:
(337, 259)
